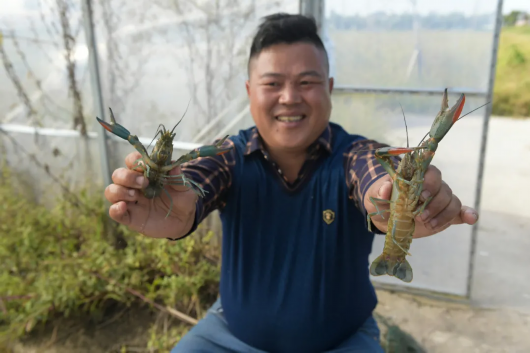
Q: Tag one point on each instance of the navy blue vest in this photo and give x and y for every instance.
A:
(290, 282)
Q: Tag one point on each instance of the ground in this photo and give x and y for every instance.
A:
(438, 326)
(498, 317)
(442, 327)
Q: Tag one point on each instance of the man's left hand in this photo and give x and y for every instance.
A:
(444, 210)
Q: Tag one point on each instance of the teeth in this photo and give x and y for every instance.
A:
(290, 118)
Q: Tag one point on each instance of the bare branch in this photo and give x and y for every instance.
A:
(45, 23)
(216, 46)
(123, 78)
(179, 315)
(69, 46)
(15, 80)
(70, 196)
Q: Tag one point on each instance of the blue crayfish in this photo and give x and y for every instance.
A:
(157, 165)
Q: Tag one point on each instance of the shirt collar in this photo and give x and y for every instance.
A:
(255, 142)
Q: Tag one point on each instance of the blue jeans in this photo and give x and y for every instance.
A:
(211, 335)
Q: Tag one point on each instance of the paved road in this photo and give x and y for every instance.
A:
(440, 262)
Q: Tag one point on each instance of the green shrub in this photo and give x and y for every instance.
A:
(59, 262)
(512, 80)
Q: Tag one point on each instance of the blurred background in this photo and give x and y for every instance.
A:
(73, 281)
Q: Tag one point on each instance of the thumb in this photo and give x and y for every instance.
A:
(385, 190)
(381, 189)
(467, 215)
(175, 171)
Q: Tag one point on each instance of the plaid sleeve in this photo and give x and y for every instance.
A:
(363, 170)
(213, 174)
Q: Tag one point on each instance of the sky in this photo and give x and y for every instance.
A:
(20, 7)
(10, 8)
(361, 7)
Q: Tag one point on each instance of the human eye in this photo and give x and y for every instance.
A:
(309, 82)
(271, 83)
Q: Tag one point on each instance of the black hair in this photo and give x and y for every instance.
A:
(285, 28)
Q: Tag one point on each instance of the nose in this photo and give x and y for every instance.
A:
(290, 95)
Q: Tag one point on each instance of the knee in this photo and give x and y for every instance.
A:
(192, 343)
(203, 337)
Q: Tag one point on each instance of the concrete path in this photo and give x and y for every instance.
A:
(499, 318)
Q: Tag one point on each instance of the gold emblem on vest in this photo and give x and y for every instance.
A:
(329, 216)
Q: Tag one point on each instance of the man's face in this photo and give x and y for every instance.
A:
(290, 95)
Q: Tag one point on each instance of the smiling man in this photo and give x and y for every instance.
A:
(293, 195)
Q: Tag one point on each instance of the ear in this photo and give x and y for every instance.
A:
(247, 86)
(331, 82)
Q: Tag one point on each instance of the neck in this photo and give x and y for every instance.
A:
(287, 156)
(289, 161)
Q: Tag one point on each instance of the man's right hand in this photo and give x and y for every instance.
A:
(131, 208)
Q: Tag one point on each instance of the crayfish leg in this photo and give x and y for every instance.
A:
(379, 212)
(194, 186)
(172, 177)
(187, 182)
(183, 159)
(408, 182)
(170, 201)
(422, 207)
(139, 163)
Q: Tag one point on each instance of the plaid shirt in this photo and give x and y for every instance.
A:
(213, 174)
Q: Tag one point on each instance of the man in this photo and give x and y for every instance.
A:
(293, 195)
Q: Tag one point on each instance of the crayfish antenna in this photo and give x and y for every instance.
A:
(406, 128)
(483, 105)
(182, 116)
(158, 132)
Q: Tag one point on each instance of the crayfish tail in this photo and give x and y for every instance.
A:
(380, 266)
(383, 265)
(403, 271)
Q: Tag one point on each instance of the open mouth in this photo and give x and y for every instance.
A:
(290, 119)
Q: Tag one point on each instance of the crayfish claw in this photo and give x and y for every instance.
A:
(112, 119)
(221, 141)
(114, 127)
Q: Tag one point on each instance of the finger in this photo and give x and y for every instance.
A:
(448, 214)
(115, 193)
(432, 182)
(441, 229)
(385, 190)
(376, 191)
(466, 215)
(437, 204)
(131, 160)
(379, 191)
(132, 215)
(176, 182)
(120, 213)
(129, 178)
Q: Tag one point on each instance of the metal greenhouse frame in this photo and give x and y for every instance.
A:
(316, 8)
